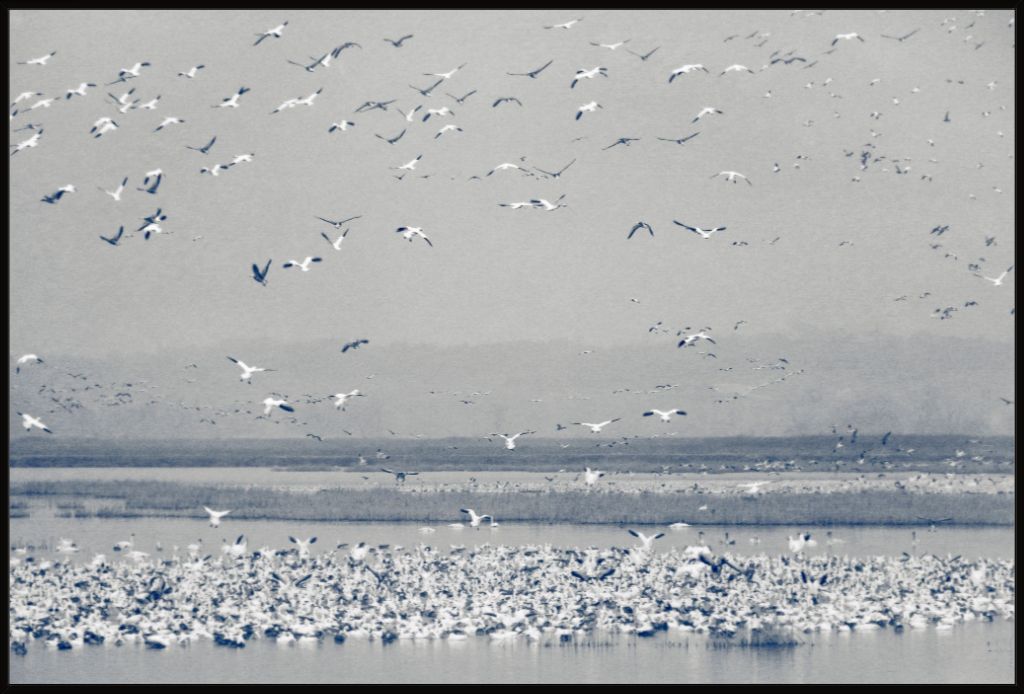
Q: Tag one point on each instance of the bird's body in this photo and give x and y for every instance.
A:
(474, 518)
(305, 265)
(342, 398)
(269, 403)
(215, 516)
(26, 359)
(685, 70)
(732, 176)
(409, 233)
(647, 541)
(665, 416)
(588, 74)
(275, 32)
(247, 371)
(28, 421)
(704, 233)
(587, 108)
(510, 441)
(596, 428)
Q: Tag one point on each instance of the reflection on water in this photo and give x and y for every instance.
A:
(974, 652)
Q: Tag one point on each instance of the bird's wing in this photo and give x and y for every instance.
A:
(633, 533)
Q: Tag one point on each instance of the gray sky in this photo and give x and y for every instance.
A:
(495, 274)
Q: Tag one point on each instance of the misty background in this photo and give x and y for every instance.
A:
(547, 316)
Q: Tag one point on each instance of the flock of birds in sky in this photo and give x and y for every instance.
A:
(143, 77)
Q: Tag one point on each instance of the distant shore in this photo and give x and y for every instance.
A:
(522, 503)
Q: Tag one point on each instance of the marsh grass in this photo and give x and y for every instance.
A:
(871, 507)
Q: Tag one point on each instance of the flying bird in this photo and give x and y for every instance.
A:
(39, 61)
(664, 415)
(269, 403)
(685, 70)
(52, 198)
(647, 541)
(706, 111)
(640, 225)
(732, 176)
(116, 239)
(305, 265)
(215, 516)
(275, 32)
(28, 421)
(532, 74)
(205, 149)
(851, 35)
(26, 359)
(510, 441)
(261, 275)
(565, 25)
(397, 43)
(588, 74)
(409, 233)
(596, 428)
(191, 72)
(681, 140)
(335, 244)
(506, 100)
(342, 398)
(247, 371)
(705, 233)
(354, 345)
(587, 108)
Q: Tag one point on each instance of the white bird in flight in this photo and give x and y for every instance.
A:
(304, 265)
(732, 176)
(510, 441)
(170, 120)
(25, 359)
(851, 35)
(565, 25)
(28, 421)
(275, 32)
(39, 61)
(996, 281)
(335, 244)
(592, 476)
(25, 144)
(685, 70)
(409, 233)
(588, 74)
(342, 398)
(116, 194)
(665, 416)
(736, 68)
(587, 108)
(705, 233)
(215, 516)
(269, 403)
(247, 371)
(706, 111)
(646, 540)
(596, 428)
(474, 519)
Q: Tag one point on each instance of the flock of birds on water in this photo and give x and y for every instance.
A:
(390, 593)
(533, 592)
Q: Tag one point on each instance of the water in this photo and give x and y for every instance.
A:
(98, 535)
(974, 652)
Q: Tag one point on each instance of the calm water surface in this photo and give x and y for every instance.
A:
(974, 652)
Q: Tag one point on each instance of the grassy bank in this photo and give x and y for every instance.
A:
(150, 498)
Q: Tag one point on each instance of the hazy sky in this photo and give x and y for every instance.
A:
(495, 274)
